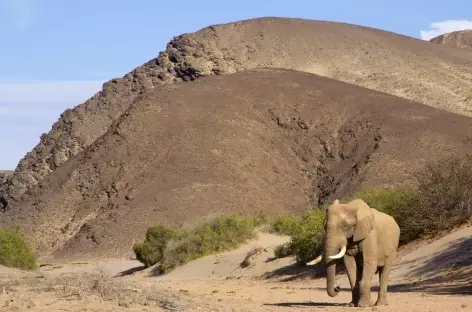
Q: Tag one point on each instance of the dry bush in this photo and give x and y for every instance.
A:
(251, 255)
(99, 284)
(444, 197)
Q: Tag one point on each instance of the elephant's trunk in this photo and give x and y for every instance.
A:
(332, 289)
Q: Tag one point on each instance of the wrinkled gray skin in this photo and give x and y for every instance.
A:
(371, 239)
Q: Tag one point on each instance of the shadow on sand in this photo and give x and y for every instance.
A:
(446, 272)
(306, 304)
(299, 272)
(131, 271)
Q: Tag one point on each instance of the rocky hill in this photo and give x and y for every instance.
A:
(459, 39)
(269, 139)
(437, 75)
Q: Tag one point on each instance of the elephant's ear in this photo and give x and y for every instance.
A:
(365, 222)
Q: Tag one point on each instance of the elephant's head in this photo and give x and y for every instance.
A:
(344, 222)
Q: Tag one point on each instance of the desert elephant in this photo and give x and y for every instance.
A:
(368, 240)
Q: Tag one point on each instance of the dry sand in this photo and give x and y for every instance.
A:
(434, 277)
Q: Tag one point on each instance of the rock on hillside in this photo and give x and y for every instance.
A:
(459, 39)
(438, 76)
(272, 140)
(3, 176)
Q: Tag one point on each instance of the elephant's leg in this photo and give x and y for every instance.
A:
(383, 279)
(351, 268)
(368, 271)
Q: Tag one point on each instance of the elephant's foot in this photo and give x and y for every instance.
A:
(381, 301)
(365, 303)
(354, 302)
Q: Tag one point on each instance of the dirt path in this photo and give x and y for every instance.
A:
(432, 277)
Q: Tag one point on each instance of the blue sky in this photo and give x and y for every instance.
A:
(56, 53)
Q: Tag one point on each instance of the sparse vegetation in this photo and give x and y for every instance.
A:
(99, 286)
(14, 250)
(170, 248)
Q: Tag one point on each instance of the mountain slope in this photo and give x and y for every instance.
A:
(270, 140)
(436, 75)
(459, 39)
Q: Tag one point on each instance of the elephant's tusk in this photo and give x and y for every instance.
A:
(340, 254)
(316, 261)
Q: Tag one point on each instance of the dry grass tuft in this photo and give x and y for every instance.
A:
(251, 256)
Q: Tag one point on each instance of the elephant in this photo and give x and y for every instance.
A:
(367, 240)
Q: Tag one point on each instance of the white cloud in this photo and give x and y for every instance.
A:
(440, 28)
(28, 110)
(18, 13)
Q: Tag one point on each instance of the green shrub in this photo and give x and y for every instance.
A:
(218, 235)
(285, 225)
(151, 251)
(307, 236)
(172, 248)
(14, 251)
(308, 242)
